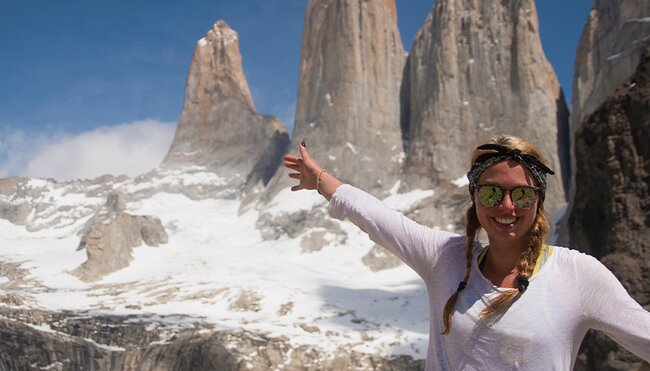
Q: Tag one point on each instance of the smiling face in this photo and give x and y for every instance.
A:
(503, 223)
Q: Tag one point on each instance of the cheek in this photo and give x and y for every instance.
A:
(529, 216)
(481, 213)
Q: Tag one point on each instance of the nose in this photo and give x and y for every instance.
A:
(506, 203)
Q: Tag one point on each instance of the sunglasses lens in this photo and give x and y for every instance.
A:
(490, 195)
(523, 197)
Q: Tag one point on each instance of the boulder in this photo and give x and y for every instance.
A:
(110, 237)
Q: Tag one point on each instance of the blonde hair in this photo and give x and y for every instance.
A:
(528, 257)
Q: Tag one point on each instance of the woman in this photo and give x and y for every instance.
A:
(514, 304)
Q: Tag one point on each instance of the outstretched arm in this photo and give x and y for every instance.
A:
(413, 243)
(310, 174)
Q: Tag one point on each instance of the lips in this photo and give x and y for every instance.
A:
(506, 220)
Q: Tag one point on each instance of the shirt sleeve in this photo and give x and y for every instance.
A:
(416, 245)
(609, 308)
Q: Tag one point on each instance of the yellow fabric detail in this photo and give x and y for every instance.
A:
(482, 256)
(544, 252)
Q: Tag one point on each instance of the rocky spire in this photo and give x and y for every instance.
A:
(477, 69)
(219, 127)
(348, 107)
(613, 39)
(609, 217)
(610, 49)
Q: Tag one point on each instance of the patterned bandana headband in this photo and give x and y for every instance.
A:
(484, 161)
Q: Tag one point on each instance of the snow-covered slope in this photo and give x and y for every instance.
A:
(216, 268)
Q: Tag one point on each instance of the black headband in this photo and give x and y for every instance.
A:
(484, 161)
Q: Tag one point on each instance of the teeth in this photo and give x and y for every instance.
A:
(506, 220)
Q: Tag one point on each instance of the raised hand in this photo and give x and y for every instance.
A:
(306, 169)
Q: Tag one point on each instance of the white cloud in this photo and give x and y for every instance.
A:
(14, 151)
(129, 149)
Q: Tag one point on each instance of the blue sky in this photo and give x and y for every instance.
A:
(74, 67)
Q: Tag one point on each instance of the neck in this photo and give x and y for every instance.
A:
(504, 263)
(501, 260)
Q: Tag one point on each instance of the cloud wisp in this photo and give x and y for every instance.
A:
(130, 149)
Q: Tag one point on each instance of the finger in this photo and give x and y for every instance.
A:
(303, 152)
(294, 175)
(292, 166)
(296, 188)
(290, 158)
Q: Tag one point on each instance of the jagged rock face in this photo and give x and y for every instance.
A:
(111, 236)
(477, 69)
(612, 42)
(75, 342)
(219, 127)
(610, 218)
(348, 106)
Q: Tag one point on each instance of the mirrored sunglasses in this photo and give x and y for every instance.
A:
(522, 197)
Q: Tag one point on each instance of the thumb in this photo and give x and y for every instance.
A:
(303, 152)
(309, 162)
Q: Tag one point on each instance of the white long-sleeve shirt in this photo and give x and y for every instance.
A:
(542, 329)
